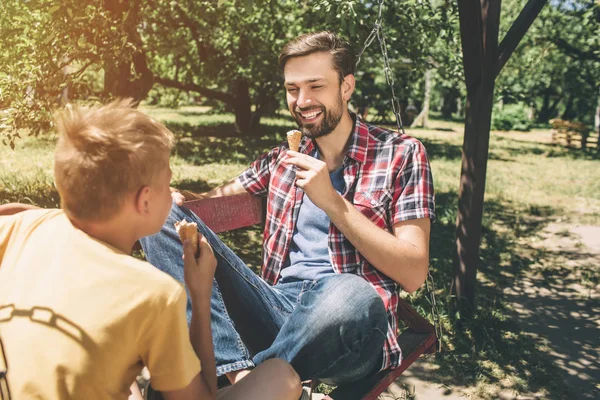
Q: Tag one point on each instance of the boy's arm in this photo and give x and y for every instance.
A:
(199, 274)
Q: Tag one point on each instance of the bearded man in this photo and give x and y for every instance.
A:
(347, 226)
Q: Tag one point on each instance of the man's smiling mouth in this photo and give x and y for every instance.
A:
(310, 115)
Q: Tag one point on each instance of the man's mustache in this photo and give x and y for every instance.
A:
(298, 109)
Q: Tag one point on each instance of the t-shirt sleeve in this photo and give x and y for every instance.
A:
(166, 347)
(256, 178)
(413, 195)
(8, 225)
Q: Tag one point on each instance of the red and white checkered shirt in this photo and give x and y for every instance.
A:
(388, 179)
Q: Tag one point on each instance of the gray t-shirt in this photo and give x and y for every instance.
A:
(309, 257)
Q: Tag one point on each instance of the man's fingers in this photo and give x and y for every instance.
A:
(302, 160)
(303, 174)
(178, 198)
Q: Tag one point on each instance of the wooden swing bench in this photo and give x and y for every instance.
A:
(223, 214)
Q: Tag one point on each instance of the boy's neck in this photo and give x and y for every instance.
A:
(333, 147)
(115, 232)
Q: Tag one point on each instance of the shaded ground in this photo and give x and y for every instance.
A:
(560, 305)
(556, 304)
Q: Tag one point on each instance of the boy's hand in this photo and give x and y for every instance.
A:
(199, 272)
(177, 197)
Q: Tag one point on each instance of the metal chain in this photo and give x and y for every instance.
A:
(4, 389)
(377, 32)
(437, 325)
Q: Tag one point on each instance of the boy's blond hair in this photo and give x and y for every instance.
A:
(103, 154)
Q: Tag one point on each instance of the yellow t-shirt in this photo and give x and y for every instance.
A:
(79, 318)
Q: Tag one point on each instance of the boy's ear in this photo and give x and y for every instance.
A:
(142, 200)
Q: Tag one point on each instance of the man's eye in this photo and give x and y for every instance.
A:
(316, 87)
(292, 90)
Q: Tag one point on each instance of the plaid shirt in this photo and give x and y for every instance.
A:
(388, 179)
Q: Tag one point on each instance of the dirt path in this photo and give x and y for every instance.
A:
(560, 306)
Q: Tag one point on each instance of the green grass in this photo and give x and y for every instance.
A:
(530, 183)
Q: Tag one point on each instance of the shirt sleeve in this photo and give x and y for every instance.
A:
(256, 178)
(167, 350)
(413, 194)
(8, 225)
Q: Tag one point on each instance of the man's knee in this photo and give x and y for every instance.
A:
(348, 299)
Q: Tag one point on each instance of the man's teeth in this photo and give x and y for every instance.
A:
(310, 115)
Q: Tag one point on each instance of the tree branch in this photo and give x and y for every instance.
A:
(575, 52)
(194, 29)
(192, 87)
(517, 31)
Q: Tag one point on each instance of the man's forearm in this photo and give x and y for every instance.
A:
(398, 258)
(230, 188)
(201, 338)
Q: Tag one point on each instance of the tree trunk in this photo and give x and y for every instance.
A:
(423, 116)
(548, 110)
(479, 23)
(118, 77)
(569, 113)
(483, 59)
(242, 106)
(449, 103)
(597, 118)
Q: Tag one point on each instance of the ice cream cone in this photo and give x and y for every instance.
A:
(188, 231)
(294, 137)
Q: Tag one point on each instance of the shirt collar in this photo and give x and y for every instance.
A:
(359, 141)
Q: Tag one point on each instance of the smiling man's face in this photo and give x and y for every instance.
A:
(314, 93)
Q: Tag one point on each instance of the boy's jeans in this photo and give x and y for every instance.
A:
(332, 329)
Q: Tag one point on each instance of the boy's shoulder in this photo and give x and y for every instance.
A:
(151, 279)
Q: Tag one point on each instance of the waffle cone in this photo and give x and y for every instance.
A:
(188, 231)
(294, 137)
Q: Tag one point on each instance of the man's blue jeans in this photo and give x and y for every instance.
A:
(332, 329)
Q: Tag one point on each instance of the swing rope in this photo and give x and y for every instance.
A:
(377, 32)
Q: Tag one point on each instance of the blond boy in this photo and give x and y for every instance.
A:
(79, 317)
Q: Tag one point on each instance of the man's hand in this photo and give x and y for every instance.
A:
(199, 272)
(177, 197)
(312, 176)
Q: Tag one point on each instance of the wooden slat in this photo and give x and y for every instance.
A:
(412, 343)
(223, 214)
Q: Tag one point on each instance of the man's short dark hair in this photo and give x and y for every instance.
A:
(344, 59)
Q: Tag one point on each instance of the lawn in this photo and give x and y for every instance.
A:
(530, 183)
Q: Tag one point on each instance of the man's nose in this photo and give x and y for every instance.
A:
(303, 100)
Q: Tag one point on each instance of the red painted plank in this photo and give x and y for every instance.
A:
(223, 214)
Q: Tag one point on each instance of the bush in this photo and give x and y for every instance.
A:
(511, 117)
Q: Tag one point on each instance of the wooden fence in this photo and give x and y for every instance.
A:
(573, 135)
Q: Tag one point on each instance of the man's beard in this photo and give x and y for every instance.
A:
(331, 119)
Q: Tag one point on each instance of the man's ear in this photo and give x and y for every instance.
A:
(142, 200)
(348, 85)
